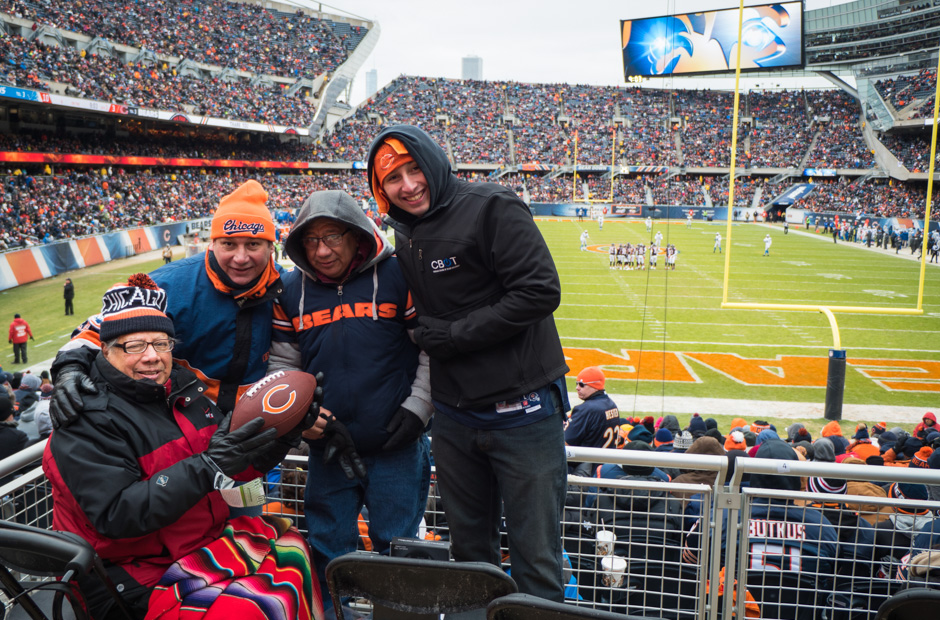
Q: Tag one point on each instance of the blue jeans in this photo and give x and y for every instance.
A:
(524, 467)
(395, 491)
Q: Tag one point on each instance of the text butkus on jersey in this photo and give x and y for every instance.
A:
(595, 423)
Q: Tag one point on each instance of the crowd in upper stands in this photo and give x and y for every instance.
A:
(241, 36)
(168, 143)
(490, 123)
(910, 90)
(159, 87)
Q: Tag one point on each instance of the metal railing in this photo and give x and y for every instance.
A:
(644, 546)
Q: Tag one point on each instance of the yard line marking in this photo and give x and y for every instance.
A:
(747, 344)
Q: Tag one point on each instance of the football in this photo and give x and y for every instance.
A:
(282, 398)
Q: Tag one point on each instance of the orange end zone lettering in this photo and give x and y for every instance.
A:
(634, 365)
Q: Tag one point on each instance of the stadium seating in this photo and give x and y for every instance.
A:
(216, 32)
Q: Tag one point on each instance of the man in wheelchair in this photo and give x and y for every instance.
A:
(145, 476)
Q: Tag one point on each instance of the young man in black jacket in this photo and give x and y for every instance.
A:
(485, 287)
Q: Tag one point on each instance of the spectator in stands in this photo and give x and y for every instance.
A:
(647, 524)
(893, 535)
(595, 422)
(377, 398)
(160, 443)
(26, 393)
(224, 329)
(927, 423)
(497, 366)
(43, 421)
(12, 440)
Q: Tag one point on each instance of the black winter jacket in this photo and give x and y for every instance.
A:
(477, 260)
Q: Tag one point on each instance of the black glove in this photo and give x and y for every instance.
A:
(339, 445)
(433, 335)
(314, 412)
(404, 427)
(232, 453)
(71, 382)
(268, 460)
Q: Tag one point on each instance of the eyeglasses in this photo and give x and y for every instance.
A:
(581, 383)
(135, 347)
(331, 241)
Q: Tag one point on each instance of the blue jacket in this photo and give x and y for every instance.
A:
(354, 331)
(224, 341)
(595, 423)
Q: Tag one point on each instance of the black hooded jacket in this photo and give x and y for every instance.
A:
(477, 262)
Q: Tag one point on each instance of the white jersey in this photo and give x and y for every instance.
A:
(767, 242)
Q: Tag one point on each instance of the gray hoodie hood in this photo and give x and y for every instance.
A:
(340, 206)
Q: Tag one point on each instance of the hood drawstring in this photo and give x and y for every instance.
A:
(375, 294)
(300, 309)
(375, 291)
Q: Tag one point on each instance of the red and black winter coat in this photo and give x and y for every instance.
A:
(127, 475)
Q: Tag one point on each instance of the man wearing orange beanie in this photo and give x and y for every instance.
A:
(220, 301)
(485, 287)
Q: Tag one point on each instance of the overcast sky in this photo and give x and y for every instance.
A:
(522, 40)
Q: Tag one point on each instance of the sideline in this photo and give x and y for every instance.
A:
(905, 253)
(758, 409)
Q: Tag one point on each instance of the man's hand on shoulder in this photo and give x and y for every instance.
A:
(71, 382)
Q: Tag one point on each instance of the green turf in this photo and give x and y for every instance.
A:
(43, 307)
(603, 309)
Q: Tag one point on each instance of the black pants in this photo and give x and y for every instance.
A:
(68, 307)
(19, 348)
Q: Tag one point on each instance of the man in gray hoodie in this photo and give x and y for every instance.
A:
(346, 311)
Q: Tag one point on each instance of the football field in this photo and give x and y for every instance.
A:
(661, 334)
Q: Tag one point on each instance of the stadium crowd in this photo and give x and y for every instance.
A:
(40, 209)
(214, 32)
(176, 142)
(476, 122)
(93, 76)
(906, 90)
(42, 206)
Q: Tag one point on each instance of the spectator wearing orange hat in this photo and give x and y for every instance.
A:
(833, 431)
(220, 301)
(595, 423)
(485, 288)
(735, 441)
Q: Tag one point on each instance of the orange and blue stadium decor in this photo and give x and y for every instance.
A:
(47, 260)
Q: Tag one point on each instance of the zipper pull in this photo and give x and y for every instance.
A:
(420, 260)
(339, 290)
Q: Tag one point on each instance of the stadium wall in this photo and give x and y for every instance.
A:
(675, 212)
(45, 261)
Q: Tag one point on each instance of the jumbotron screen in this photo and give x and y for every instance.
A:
(695, 43)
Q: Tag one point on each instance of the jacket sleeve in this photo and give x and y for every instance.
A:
(88, 453)
(285, 351)
(524, 267)
(419, 401)
(284, 356)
